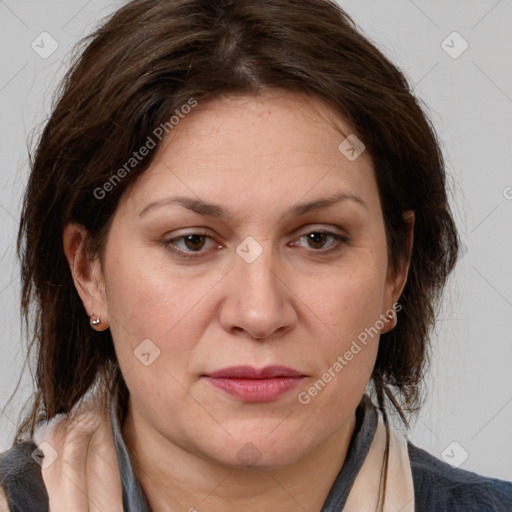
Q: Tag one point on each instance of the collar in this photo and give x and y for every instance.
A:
(133, 496)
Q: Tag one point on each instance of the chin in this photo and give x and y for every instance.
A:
(261, 451)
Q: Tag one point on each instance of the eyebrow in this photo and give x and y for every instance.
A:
(214, 210)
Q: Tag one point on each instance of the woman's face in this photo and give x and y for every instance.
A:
(256, 283)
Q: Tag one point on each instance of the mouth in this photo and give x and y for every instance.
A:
(251, 384)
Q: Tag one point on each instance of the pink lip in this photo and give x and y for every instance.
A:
(248, 372)
(255, 385)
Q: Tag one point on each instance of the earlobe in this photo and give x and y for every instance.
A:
(87, 276)
(391, 320)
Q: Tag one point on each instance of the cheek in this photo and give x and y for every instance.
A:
(139, 293)
(345, 352)
(148, 299)
(150, 325)
(346, 323)
(346, 301)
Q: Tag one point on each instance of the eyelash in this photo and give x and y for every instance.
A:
(190, 255)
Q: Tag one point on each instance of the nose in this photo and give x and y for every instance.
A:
(258, 301)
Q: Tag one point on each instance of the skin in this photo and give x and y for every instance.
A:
(296, 305)
(4, 506)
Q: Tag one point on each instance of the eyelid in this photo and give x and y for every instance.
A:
(321, 228)
(339, 238)
(167, 242)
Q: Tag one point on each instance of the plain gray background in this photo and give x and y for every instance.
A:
(467, 417)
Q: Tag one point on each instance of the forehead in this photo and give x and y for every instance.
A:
(275, 124)
(274, 147)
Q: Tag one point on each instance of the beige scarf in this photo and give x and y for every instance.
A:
(81, 472)
(383, 485)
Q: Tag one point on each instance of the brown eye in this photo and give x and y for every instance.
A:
(193, 245)
(194, 242)
(318, 240)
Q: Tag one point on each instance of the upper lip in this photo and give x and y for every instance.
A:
(249, 372)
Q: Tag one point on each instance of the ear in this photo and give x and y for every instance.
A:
(397, 278)
(87, 275)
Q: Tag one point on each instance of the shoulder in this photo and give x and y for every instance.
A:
(21, 482)
(441, 487)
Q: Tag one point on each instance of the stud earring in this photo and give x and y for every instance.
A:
(94, 320)
(393, 317)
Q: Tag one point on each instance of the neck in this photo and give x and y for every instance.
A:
(193, 483)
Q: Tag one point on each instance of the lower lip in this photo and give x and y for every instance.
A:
(256, 390)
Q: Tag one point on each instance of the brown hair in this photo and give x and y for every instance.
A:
(130, 76)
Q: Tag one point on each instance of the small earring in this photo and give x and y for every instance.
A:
(94, 320)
